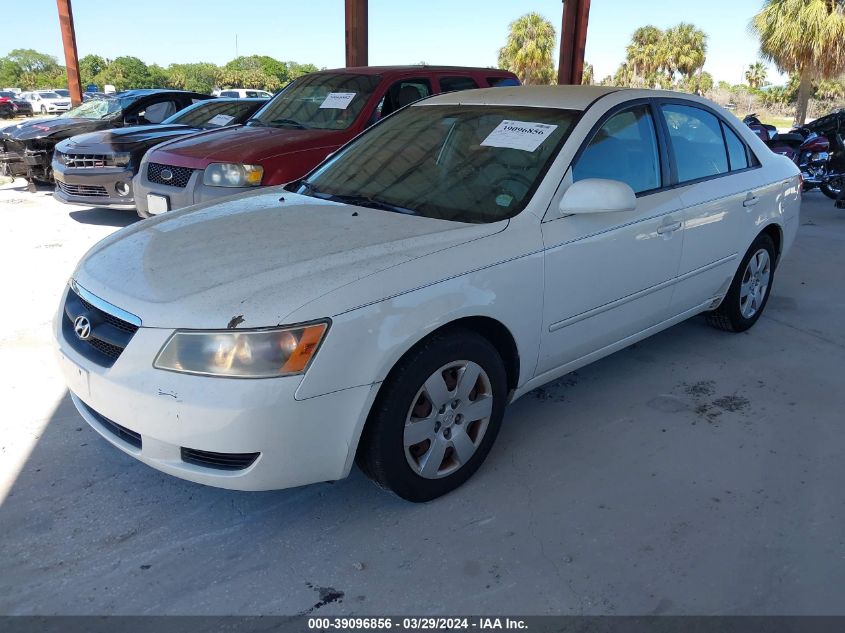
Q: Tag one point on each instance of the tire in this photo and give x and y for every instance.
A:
(43, 110)
(743, 304)
(446, 362)
(832, 192)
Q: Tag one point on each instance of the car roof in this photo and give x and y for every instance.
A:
(417, 68)
(565, 97)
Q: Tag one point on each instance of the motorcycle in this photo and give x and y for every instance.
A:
(807, 149)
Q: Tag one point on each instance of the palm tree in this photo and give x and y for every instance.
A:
(806, 37)
(686, 49)
(528, 50)
(587, 77)
(645, 51)
(756, 75)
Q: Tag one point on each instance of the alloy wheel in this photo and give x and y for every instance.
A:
(448, 418)
(755, 283)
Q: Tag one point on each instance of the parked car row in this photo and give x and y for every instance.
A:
(12, 105)
(427, 255)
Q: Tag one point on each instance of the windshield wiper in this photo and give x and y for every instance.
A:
(292, 122)
(370, 203)
(255, 123)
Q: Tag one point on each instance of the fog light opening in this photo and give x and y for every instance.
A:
(122, 188)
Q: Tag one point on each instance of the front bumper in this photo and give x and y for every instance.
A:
(298, 441)
(93, 187)
(194, 192)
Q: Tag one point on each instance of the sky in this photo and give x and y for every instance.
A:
(459, 32)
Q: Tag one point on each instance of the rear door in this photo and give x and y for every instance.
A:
(722, 187)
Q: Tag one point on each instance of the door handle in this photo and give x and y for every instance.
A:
(750, 200)
(671, 227)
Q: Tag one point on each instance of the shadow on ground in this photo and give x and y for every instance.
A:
(104, 217)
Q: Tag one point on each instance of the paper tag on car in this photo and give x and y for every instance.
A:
(338, 100)
(519, 135)
(221, 120)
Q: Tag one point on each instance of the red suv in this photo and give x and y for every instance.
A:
(293, 133)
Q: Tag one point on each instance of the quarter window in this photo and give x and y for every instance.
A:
(697, 142)
(737, 154)
(624, 148)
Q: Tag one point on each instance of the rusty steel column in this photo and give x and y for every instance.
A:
(74, 83)
(356, 33)
(573, 41)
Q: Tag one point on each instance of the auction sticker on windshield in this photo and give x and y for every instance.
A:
(518, 135)
(221, 120)
(338, 100)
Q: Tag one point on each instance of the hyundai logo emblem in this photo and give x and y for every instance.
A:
(82, 327)
(166, 174)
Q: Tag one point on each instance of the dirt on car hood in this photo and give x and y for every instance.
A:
(255, 259)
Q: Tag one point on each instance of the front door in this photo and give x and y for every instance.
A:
(610, 275)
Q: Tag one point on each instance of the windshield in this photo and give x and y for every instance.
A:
(94, 109)
(211, 114)
(49, 95)
(457, 162)
(322, 101)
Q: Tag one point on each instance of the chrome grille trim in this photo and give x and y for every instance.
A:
(105, 306)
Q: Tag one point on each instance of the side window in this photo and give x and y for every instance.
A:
(453, 84)
(696, 138)
(624, 148)
(228, 93)
(737, 154)
(403, 93)
(497, 82)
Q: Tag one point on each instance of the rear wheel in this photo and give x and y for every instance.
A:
(749, 291)
(833, 188)
(436, 418)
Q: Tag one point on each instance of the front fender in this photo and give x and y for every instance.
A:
(364, 344)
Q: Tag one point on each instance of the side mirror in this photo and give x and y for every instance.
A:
(597, 195)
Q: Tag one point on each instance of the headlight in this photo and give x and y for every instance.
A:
(242, 354)
(233, 175)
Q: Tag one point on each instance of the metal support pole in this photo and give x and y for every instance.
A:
(573, 41)
(74, 83)
(356, 33)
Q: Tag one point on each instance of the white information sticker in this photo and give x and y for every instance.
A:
(338, 100)
(221, 120)
(519, 135)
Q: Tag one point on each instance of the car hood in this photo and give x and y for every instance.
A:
(243, 144)
(126, 137)
(252, 260)
(54, 128)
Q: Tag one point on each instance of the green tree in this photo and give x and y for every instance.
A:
(755, 75)
(125, 73)
(89, 67)
(255, 71)
(806, 37)
(36, 70)
(686, 49)
(199, 77)
(296, 70)
(10, 73)
(528, 50)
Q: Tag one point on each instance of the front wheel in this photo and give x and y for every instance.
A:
(749, 291)
(436, 417)
(43, 110)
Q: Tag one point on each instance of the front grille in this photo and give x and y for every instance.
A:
(127, 435)
(109, 334)
(81, 161)
(218, 461)
(90, 191)
(179, 175)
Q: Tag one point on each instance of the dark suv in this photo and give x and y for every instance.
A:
(293, 133)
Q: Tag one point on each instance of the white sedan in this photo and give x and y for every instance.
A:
(385, 309)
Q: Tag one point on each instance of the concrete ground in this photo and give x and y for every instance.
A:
(698, 472)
